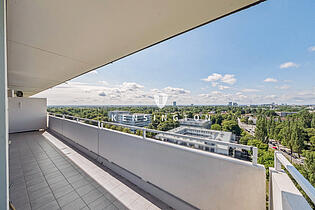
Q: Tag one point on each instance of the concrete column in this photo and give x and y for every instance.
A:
(4, 176)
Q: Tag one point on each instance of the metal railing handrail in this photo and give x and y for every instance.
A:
(307, 187)
(182, 136)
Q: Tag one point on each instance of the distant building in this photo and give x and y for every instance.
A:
(200, 132)
(112, 115)
(232, 104)
(252, 119)
(174, 103)
(126, 118)
(284, 114)
(195, 123)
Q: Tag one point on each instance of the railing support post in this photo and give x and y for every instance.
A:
(255, 155)
(144, 133)
(277, 164)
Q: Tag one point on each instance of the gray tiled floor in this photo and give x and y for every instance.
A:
(41, 177)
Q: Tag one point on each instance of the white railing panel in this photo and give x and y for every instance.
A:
(283, 194)
(280, 160)
(201, 178)
(182, 137)
(83, 134)
(55, 124)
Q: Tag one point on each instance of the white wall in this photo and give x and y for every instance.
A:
(205, 180)
(4, 164)
(27, 114)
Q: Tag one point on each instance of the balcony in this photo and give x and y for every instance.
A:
(180, 177)
(47, 174)
(78, 165)
(69, 164)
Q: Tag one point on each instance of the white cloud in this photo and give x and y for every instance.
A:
(249, 90)
(103, 82)
(311, 49)
(271, 97)
(79, 93)
(216, 78)
(214, 84)
(222, 87)
(283, 87)
(288, 65)
(213, 77)
(131, 86)
(228, 79)
(216, 93)
(270, 80)
(93, 72)
(83, 93)
(175, 91)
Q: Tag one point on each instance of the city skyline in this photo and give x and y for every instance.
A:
(261, 55)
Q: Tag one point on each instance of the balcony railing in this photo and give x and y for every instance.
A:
(180, 176)
(181, 137)
(307, 187)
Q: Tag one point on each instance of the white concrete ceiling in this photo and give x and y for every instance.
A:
(52, 41)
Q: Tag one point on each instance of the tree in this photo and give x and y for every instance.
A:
(285, 134)
(244, 120)
(312, 142)
(308, 168)
(297, 138)
(305, 119)
(313, 121)
(126, 130)
(216, 127)
(232, 126)
(261, 131)
(244, 139)
(139, 132)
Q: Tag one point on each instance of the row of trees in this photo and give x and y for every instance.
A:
(297, 131)
(219, 121)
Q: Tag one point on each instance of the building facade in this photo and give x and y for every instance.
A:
(223, 136)
(284, 114)
(195, 123)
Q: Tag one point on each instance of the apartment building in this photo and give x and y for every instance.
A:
(206, 137)
(195, 123)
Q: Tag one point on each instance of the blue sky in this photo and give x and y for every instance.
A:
(260, 55)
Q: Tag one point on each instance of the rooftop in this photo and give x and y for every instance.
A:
(207, 133)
